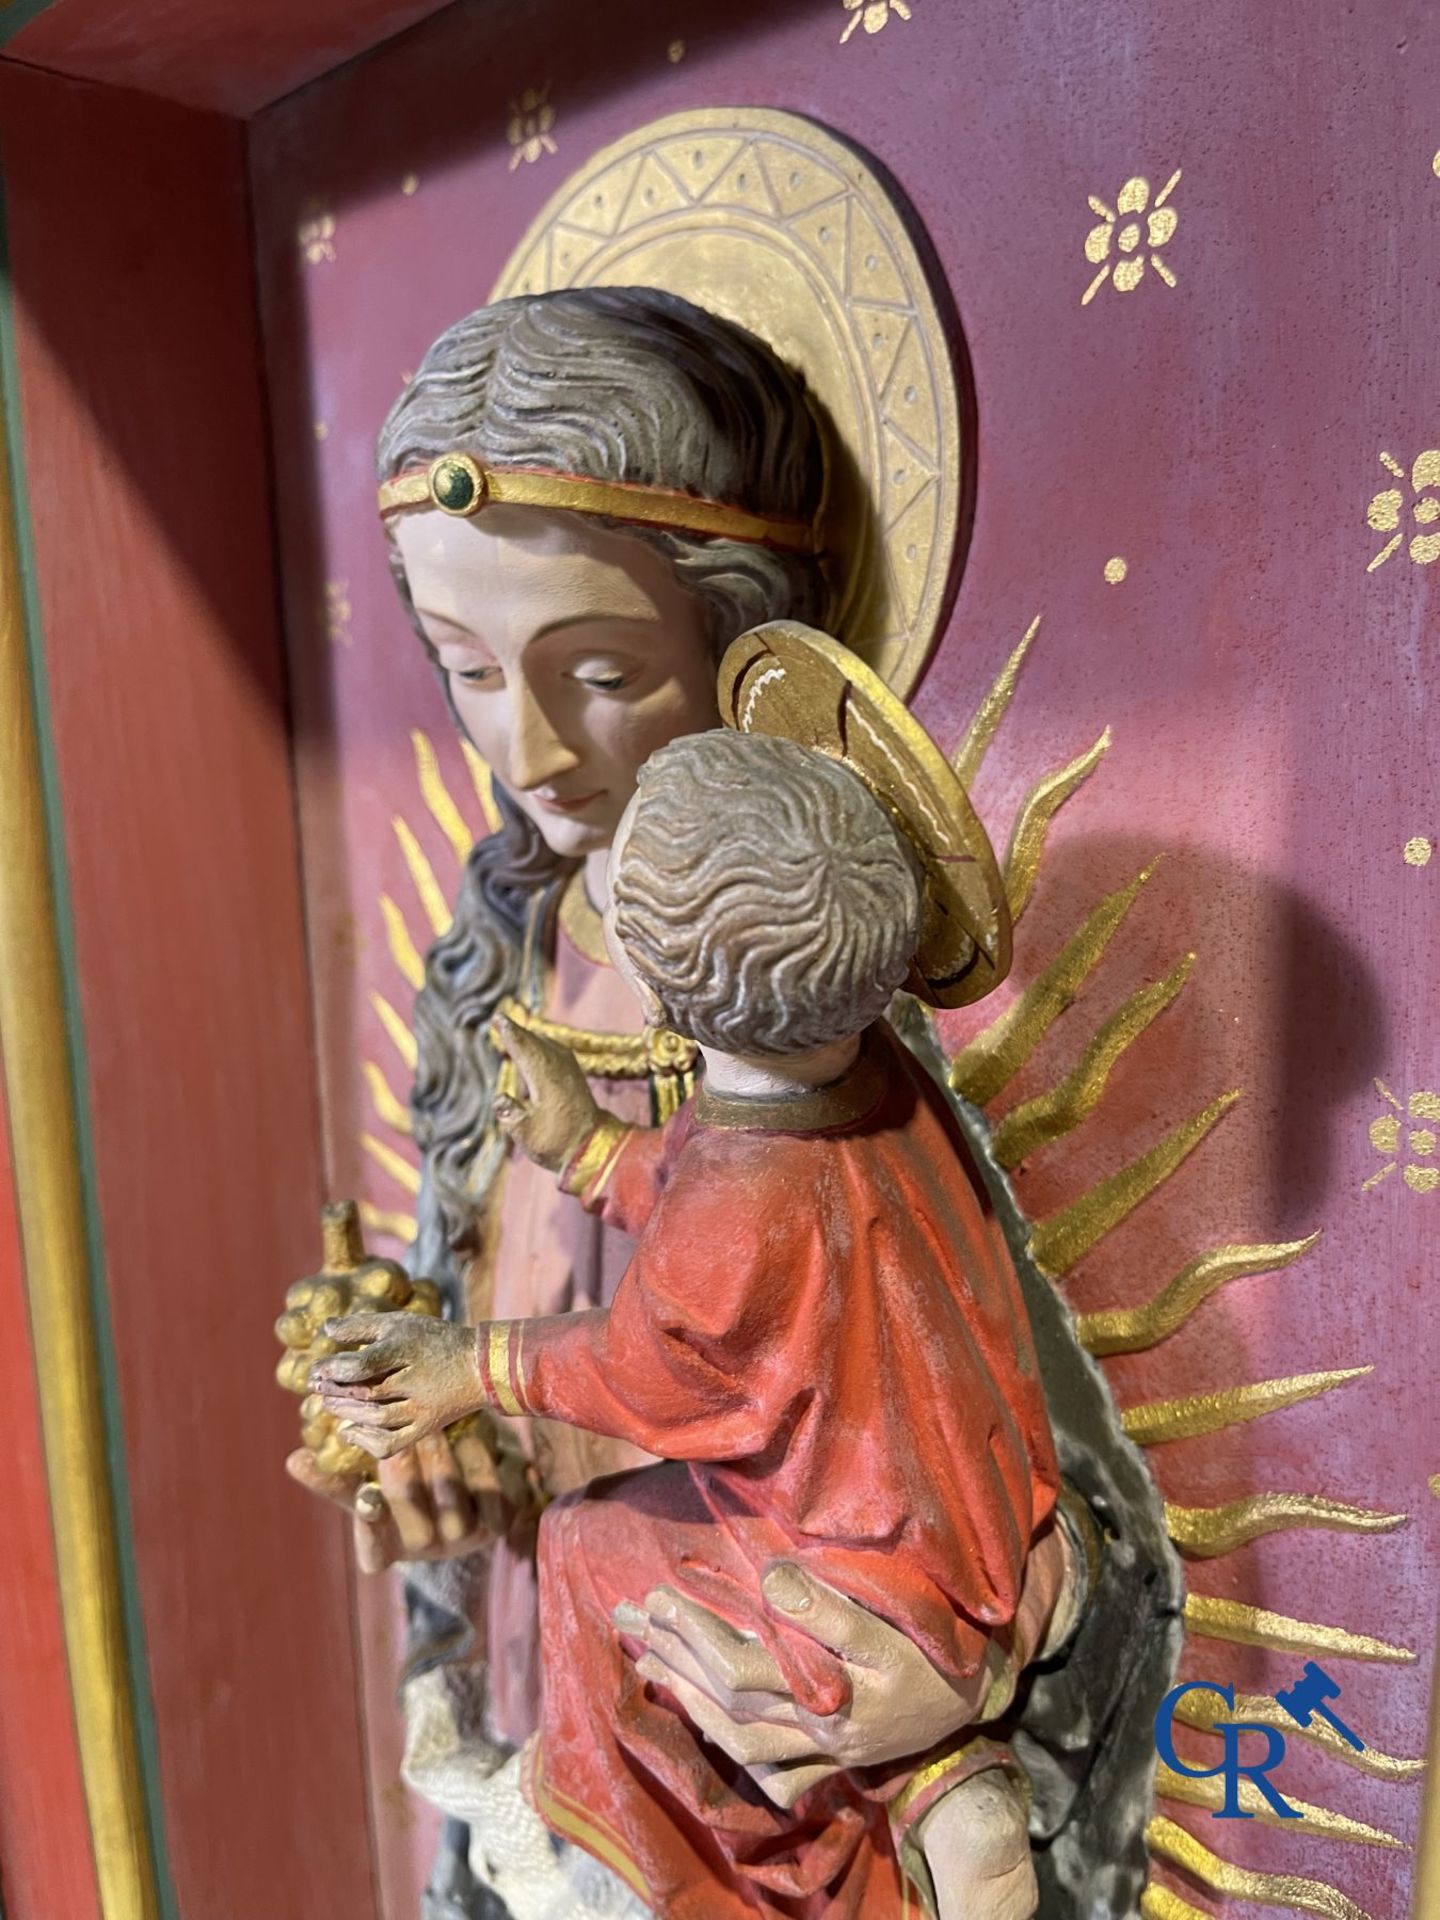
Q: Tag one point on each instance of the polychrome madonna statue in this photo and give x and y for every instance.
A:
(589, 496)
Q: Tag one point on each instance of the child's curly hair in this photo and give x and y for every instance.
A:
(763, 894)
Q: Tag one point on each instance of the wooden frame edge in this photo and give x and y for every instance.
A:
(35, 1057)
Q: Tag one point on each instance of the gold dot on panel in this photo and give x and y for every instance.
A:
(322, 432)
(1435, 166)
(410, 184)
(675, 52)
(1116, 569)
(1418, 851)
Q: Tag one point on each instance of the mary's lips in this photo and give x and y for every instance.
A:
(553, 805)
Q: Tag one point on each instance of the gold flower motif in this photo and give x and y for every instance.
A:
(872, 15)
(1421, 1173)
(1383, 512)
(528, 129)
(337, 611)
(1142, 224)
(316, 236)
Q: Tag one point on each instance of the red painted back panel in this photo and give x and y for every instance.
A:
(45, 1862)
(144, 435)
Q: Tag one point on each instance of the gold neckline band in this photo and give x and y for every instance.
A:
(460, 485)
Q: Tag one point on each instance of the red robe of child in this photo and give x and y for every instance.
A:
(821, 1321)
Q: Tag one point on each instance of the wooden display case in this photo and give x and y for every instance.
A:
(230, 233)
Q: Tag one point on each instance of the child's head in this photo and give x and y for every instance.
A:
(762, 894)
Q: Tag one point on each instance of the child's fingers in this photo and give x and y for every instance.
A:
(358, 1329)
(535, 1058)
(509, 1113)
(350, 1369)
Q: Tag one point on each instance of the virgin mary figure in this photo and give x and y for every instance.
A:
(588, 495)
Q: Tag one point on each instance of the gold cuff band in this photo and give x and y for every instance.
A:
(460, 485)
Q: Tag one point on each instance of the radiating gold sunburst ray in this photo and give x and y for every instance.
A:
(1162, 1903)
(1171, 1842)
(1170, 1785)
(400, 1170)
(395, 1226)
(1203, 1532)
(403, 950)
(1132, 1329)
(1051, 1115)
(1032, 824)
(1062, 1240)
(993, 1058)
(401, 1038)
(1158, 1421)
(1247, 1626)
(443, 810)
(992, 710)
(431, 893)
(1192, 1711)
(389, 1107)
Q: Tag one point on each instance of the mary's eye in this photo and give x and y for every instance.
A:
(476, 676)
(605, 676)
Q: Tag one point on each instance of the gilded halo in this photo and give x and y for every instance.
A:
(771, 221)
(793, 683)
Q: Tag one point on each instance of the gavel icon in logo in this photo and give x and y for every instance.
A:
(1307, 1697)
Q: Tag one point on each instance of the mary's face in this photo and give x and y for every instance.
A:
(572, 653)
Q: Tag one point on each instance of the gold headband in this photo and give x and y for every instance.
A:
(458, 484)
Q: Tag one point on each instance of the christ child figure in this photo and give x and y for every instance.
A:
(820, 1337)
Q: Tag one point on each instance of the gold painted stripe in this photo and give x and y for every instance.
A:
(392, 1111)
(991, 711)
(1173, 1843)
(1319, 1821)
(398, 1226)
(483, 782)
(399, 1169)
(403, 950)
(1032, 823)
(994, 1057)
(1202, 1532)
(1152, 1424)
(1248, 1626)
(1063, 1239)
(51, 1209)
(497, 1364)
(431, 893)
(1160, 1903)
(401, 1038)
(1053, 1114)
(1191, 1710)
(568, 1819)
(1133, 1329)
(443, 810)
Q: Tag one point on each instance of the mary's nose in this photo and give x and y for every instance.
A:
(537, 753)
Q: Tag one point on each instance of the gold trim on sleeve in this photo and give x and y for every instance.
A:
(497, 1367)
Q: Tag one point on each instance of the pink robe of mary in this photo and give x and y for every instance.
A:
(545, 1255)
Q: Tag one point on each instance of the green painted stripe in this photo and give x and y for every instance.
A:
(138, 1664)
(13, 19)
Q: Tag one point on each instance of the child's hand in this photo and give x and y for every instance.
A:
(558, 1111)
(410, 1377)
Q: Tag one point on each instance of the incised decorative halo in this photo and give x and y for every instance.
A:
(769, 220)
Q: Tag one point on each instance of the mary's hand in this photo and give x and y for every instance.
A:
(734, 1692)
(435, 1501)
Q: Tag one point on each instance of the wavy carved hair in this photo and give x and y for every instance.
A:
(626, 384)
(763, 894)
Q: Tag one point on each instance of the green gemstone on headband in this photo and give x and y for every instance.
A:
(455, 484)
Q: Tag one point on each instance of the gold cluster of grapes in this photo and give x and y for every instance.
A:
(349, 1282)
